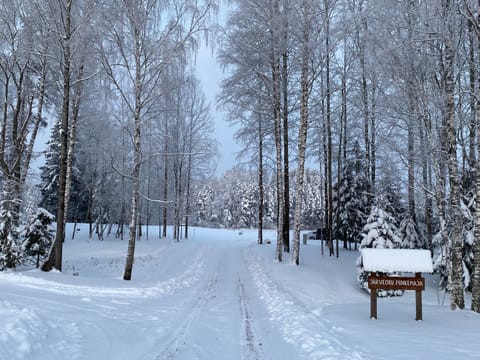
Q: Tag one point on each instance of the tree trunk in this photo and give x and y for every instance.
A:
(71, 142)
(329, 133)
(472, 135)
(476, 247)
(260, 180)
(165, 183)
(427, 188)
(286, 165)
(342, 148)
(366, 126)
(275, 67)
(411, 161)
(302, 145)
(456, 269)
(476, 238)
(55, 257)
(137, 160)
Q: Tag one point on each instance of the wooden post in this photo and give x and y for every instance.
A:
(373, 304)
(418, 301)
(305, 237)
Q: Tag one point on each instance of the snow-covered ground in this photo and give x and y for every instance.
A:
(217, 295)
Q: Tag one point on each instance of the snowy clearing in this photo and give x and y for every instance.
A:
(217, 295)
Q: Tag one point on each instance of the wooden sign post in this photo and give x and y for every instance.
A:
(416, 283)
(396, 260)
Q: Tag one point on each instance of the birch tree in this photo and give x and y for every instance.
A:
(470, 11)
(310, 60)
(142, 37)
(456, 270)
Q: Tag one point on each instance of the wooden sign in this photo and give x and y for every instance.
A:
(416, 283)
(395, 283)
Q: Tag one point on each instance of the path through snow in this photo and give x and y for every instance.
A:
(215, 296)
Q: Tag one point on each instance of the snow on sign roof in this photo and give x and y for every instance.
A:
(391, 260)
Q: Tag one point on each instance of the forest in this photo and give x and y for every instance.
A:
(359, 117)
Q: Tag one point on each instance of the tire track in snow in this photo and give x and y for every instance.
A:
(299, 327)
(179, 336)
(251, 350)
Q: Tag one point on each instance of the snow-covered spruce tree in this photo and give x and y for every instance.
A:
(391, 199)
(49, 172)
(408, 234)
(9, 237)
(38, 235)
(49, 181)
(380, 232)
(351, 206)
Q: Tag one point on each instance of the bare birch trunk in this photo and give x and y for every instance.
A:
(411, 164)
(302, 144)
(55, 257)
(329, 134)
(476, 247)
(137, 159)
(476, 230)
(260, 181)
(366, 126)
(286, 165)
(456, 269)
(165, 182)
(275, 67)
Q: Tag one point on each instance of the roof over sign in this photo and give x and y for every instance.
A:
(392, 260)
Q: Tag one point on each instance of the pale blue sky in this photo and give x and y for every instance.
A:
(210, 75)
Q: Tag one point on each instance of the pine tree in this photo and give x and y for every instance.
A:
(38, 235)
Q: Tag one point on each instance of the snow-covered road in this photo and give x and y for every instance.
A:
(215, 296)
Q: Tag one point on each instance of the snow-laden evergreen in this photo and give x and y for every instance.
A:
(408, 234)
(9, 237)
(10, 254)
(350, 200)
(49, 172)
(379, 232)
(38, 236)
